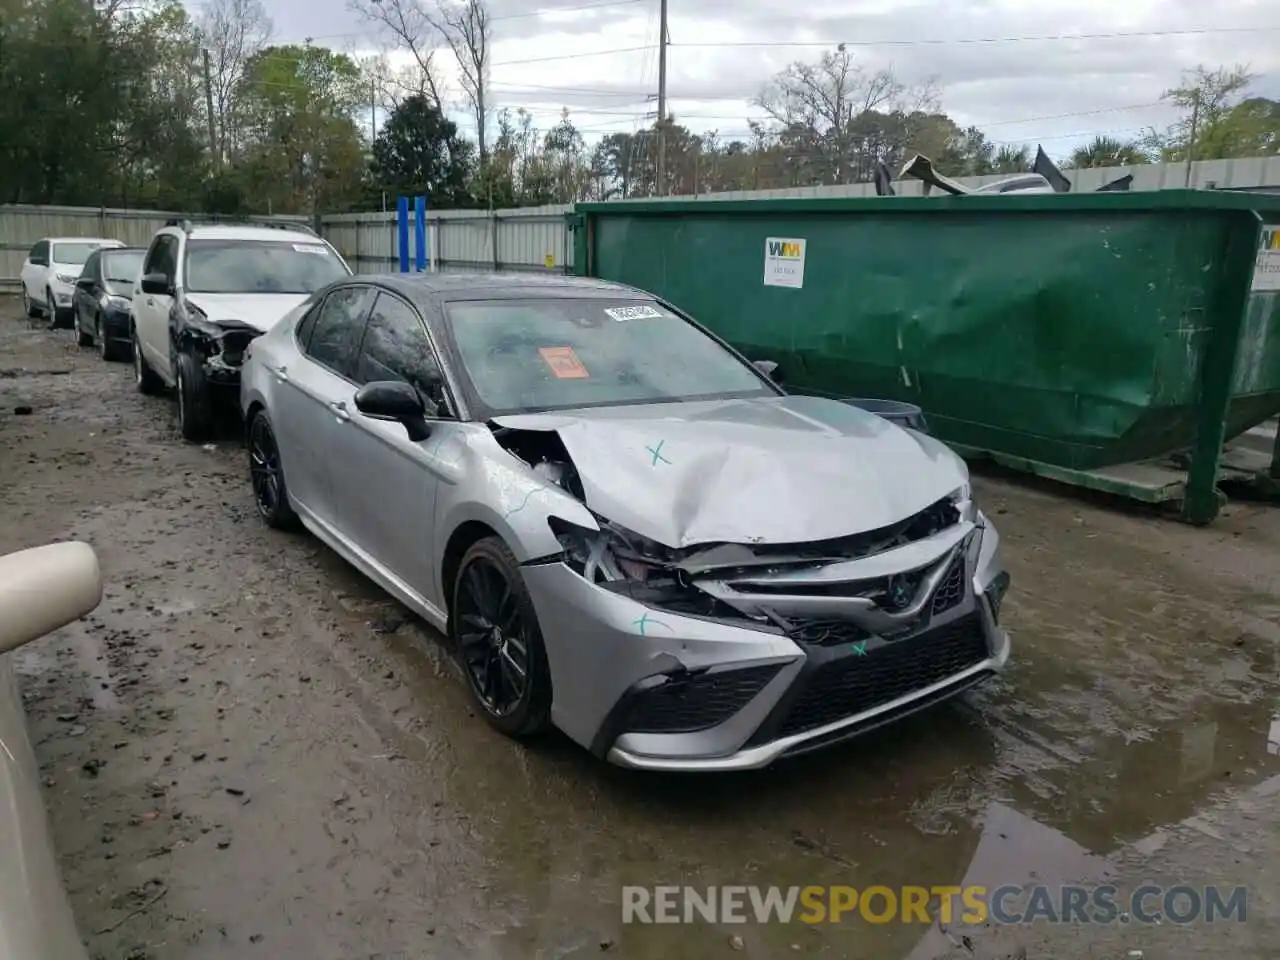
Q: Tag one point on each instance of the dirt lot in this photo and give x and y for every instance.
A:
(250, 751)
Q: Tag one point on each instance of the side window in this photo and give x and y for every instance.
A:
(306, 325)
(396, 347)
(40, 253)
(335, 337)
(162, 257)
(91, 271)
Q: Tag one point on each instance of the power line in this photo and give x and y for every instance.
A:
(573, 56)
(943, 41)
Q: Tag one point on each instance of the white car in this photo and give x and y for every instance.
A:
(204, 293)
(40, 590)
(50, 271)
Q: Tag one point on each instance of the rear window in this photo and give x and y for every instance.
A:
(260, 266)
(75, 253)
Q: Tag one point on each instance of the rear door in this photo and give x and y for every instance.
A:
(312, 395)
(34, 269)
(88, 289)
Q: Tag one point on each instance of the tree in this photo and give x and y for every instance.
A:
(304, 151)
(1012, 160)
(1249, 129)
(1107, 152)
(1205, 99)
(466, 28)
(418, 151)
(416, 29)
(232, 32)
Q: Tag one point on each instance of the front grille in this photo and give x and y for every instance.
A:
(854, 684)
(951, 590)
(828, 633)
(695, 701)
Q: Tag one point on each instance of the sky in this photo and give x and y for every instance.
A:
(1057, 74)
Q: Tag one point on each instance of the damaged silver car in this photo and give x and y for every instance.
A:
(629, 531)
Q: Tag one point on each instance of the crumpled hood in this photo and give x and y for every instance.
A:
(258, 310)
(770, 470)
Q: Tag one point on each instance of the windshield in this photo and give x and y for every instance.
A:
(267, 266)
(122, 267)
(525, 355)
(74, 253)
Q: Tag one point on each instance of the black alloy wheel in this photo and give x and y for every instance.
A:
(267, 476)
(496, 631)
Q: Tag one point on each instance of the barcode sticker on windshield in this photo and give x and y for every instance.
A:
(632, 313)
(310, 248)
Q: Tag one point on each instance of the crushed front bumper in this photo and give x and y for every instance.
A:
(658, 690)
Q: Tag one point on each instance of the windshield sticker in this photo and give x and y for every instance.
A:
(310, 248)
(564, 363)
(632, 313)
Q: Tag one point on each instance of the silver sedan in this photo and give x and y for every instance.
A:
(628, 530)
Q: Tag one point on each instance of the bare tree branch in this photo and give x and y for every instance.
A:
(233, 31)
(466, 28)
(410, 26)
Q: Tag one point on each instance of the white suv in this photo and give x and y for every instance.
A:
(204, 293)
(50, 271)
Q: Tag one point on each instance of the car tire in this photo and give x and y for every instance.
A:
(195, 405)
(29, 305)
(82, 339)
(266, 474)
(147, 380)
(492, 616)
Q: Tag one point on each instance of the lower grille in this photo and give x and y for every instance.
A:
(951, 590)
(854, 684)
(695, 701)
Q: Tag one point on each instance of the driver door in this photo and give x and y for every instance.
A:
(387, 483)
(151, 310)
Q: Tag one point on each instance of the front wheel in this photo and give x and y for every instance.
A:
(267, 475)
(83, 339)
(195, 405)
(495, 630)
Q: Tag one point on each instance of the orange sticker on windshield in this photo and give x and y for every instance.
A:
(564, 363)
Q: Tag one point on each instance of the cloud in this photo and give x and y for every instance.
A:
(1031, 86)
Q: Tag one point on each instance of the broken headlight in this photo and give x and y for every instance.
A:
(962, 500)
(610, 553)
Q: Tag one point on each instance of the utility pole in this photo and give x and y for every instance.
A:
(1191, 142)
(208, 100)
(373, 110)
(662, 99)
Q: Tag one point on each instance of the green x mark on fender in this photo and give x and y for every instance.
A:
(860, 648)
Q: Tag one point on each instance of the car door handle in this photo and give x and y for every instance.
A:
(150, 302)
(340, 410)
(280, 373)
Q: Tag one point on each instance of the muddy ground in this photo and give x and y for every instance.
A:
(248, 750)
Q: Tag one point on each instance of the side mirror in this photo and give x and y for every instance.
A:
(156, 283)
(769, 368)
(397, 401)
(85, 283)
(44, 588)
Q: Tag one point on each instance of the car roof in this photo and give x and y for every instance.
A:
(83, 240)
(242, 232)
(499, 286)
(125, 249)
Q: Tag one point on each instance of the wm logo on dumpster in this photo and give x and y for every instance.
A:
(1271, 239)
(785, 250)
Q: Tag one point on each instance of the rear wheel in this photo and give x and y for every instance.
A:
(195, 405)
(495, 628)
(146, 379)
(267, 475)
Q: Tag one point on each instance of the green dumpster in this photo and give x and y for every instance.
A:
(1072, 335)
